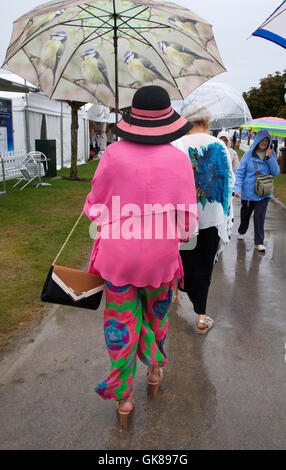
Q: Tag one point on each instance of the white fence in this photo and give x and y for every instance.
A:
(9, 164)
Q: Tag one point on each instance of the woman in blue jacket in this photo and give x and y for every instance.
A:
(266, 161)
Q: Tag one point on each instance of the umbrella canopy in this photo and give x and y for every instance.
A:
(274, 28)
(273, 125)
(101, 50)
(226, 105)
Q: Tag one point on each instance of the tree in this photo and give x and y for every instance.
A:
(75, 106)
(268, 99)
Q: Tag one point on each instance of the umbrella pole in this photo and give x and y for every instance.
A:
(115, 42)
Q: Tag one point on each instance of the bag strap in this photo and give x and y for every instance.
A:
(68, 237)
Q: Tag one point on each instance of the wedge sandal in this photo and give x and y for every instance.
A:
(208, 324)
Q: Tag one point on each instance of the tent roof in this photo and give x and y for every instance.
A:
(13, 87)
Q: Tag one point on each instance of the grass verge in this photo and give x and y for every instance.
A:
(280, 187)
(34, 225)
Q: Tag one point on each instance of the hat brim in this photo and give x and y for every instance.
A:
(152, 131)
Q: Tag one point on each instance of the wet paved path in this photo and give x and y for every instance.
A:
(225, 390)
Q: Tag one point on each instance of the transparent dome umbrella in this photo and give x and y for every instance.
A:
(225, 104)
(99, 51)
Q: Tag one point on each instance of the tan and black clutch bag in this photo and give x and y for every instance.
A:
(72, 287)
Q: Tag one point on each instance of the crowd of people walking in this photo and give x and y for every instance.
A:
(165, 167)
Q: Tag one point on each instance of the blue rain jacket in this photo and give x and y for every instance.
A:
(245, 173)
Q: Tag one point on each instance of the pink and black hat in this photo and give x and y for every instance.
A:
(152, 119)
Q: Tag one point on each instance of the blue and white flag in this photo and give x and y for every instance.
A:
(274, 28)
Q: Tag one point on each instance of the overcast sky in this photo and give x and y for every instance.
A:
(246, 60)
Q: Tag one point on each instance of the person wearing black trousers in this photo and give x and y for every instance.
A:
(214, 180)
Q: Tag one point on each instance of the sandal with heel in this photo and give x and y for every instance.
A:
(124, 415)
(154, 385)
(208, 324)
(175, 299)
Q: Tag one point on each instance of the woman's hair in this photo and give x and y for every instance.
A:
(202, 123)
(198, 114)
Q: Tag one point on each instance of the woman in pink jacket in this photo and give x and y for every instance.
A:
(143, 199)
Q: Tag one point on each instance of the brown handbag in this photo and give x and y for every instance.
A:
(72, 287)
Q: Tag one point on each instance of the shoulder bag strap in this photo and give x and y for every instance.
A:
(255, 166)
(68, 237)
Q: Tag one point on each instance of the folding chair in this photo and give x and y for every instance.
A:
(34, 165)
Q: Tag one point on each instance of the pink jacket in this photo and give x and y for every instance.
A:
(151, 183)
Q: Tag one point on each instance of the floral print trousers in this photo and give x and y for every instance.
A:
(135, 324)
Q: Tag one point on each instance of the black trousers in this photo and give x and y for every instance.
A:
(198, 267)
(259, 208)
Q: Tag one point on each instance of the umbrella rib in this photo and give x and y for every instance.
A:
(36, 72)
(97, 8)
(89, 12)
(73, 53)
(21, 34)
(129, 9)
(97, 17)
(119, 13)
(142, 27)
(86, 26)
(133, 17)
(150, 21)
(31, 38)
(181, 32)
(147, 42)
(65, 23)
(172, 28)
(126, 22)
(88, 39)
(68, 79)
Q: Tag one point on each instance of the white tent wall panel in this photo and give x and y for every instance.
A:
(82, 147)
(54, 133)
(37, 105)
(67, 140)
(35, 121)
(82, 140)
(19, 133)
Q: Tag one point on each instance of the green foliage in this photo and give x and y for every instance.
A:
(268, 98)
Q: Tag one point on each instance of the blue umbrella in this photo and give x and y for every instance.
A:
(274, 28)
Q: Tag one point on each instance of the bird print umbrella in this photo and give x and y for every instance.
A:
(100, 51)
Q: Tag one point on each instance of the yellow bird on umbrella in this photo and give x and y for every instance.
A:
(44, 20)
(94, 70)
(179, 54)
(142, 69)
(186, 24)
(52, 51)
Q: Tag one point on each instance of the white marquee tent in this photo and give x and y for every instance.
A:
(28, 112)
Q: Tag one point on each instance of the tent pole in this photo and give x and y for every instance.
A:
(27, 127)
(62, 136)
